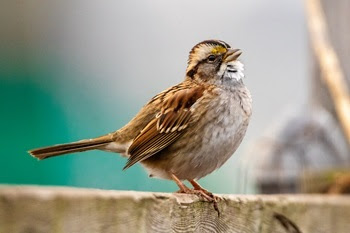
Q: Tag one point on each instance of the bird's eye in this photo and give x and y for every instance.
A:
(211, 58)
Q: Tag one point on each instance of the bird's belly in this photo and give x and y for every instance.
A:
(202, 149)
(218, 143)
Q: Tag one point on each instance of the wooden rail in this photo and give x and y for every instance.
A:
(55, 210)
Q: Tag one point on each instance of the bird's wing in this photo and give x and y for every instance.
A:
(168, 125)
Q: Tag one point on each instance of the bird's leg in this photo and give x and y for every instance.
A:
(198, 190)
(197, 186)
(185, 189)
(182, 186)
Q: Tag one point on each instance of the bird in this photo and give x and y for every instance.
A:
(186, 131)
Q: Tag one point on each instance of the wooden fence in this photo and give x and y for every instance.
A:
(55, 210)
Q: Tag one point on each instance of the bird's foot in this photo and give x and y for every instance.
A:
(208, 196)
(197, 186)
(198, 191)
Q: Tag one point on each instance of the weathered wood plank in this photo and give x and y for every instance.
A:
(50, 209)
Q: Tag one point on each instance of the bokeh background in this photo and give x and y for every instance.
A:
(77, 69)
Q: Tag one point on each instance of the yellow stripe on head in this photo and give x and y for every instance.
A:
(218, 50)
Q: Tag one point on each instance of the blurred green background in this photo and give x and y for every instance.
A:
(71, 70)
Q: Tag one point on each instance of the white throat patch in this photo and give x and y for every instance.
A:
(232, 70)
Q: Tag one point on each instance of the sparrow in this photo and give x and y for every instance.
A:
(187, 131)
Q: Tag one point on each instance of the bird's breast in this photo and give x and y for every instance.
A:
(227, 116)
(217, 134)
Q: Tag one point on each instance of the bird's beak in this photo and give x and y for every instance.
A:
(232, 54)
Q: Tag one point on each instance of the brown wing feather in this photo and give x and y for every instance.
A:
(167, 126)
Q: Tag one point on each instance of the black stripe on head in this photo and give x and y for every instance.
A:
(192, 72)
(212, 42)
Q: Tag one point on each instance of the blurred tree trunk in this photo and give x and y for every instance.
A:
(337, 16)
(295, 155)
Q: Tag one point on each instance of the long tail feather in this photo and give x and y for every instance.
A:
(89, 144)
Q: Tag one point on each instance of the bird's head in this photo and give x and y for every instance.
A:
(214, 61)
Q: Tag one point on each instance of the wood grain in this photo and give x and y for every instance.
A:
(48, 209)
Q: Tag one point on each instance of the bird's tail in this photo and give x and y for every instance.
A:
(83, 145)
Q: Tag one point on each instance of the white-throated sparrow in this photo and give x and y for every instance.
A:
(188, 130)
